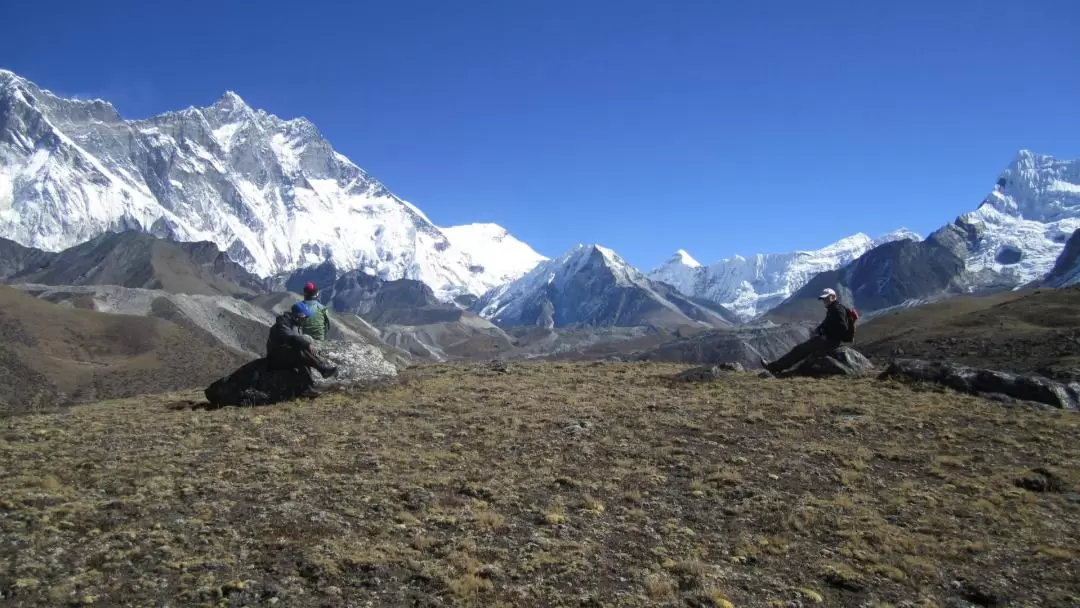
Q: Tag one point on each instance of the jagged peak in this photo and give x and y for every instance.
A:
(683, 258)
(898, 235)
(229, 100)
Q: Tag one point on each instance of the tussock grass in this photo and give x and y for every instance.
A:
(455, 486)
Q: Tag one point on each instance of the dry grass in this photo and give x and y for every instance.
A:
(553, 484)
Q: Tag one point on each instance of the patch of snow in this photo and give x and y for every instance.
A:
(501, 255)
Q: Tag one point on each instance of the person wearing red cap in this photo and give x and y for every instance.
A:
(317, 325)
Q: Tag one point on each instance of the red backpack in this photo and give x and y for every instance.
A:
(852, 318)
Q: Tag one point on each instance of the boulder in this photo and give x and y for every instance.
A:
(255, 383)
(986, 382)
(843, 361)
(357, 364)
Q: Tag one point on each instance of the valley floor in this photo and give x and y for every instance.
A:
(574, 484)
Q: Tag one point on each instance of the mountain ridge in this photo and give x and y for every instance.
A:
(750, 286)
(270, 192)
(593, 285)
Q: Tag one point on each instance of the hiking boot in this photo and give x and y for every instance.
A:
(328, 371)
(310, 393)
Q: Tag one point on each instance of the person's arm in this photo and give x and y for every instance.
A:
(299, 338)
(326, 321)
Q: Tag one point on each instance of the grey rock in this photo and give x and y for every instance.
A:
(844, 361)
(357, 364)
(975, 381)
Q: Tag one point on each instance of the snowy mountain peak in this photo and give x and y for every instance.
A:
(230, 99)
(1017, 233)
(1038, 187)
(591, 285)
(272, 193)
(750, 286)
(682, 257)
(897, 235)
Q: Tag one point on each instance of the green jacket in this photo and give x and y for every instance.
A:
(318, 324)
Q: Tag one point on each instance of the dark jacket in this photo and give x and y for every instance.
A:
(284, 335)
(834, 327)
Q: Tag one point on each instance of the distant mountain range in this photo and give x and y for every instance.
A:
(255, 204)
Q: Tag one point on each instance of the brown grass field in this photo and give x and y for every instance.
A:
(549, 484)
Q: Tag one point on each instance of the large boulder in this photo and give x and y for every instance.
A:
(357, 364)
(986, 382)
(257, 384)
(843, 361)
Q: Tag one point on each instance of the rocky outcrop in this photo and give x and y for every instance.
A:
(256, 383)
(986, 382)
(1066, 270)
(844, 361)
(356, 363)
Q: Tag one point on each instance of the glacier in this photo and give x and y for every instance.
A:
(270, 192)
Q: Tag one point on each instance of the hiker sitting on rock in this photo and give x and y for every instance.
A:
(288, 348)
(837, 328)
(317, 324)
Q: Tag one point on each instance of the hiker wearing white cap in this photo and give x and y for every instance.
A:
(837, 328)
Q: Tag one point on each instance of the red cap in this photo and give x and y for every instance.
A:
(309, 287)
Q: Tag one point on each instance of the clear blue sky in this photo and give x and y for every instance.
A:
(716, 126)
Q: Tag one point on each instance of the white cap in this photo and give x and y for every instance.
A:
(828, 292)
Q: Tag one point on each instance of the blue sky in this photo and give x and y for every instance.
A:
(718, 127)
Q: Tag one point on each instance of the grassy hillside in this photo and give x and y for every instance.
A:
(51, 354)
(545, 484)
(1019, 330)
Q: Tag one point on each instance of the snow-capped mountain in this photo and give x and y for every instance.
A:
(503, 257)
(271, 193)
(592, 285)
(1020, 229)
(751, 286)
(1015, 238)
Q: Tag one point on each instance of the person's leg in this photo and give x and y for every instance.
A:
(799, 352)
(310, 358)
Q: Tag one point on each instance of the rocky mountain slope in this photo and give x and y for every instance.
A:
(889, 275)
(52, 355)
(134, 259)
(15, 258)
(592, 285)
(271, 193)
(751, 286)
(1066, 270)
